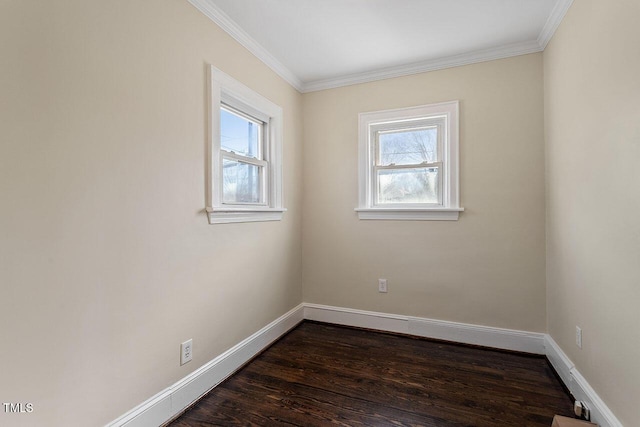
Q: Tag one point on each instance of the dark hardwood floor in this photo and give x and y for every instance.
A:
(321, 375)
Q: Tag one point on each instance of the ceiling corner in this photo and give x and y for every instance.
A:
(553, 22)
(210, 10)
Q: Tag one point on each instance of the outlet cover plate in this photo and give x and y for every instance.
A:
(186, 352)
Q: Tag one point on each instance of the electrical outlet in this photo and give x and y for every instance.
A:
(578, 336)
(382, 285)
(186, 352)
(581, 410)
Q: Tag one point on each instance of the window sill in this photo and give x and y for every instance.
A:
(410, 214)
(227, 215)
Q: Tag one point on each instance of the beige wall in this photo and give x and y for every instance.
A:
(592, 117)
(488, 267)
(107, 262)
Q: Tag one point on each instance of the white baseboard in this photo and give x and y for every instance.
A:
(173, 400)
(506, 339)
(578, 385)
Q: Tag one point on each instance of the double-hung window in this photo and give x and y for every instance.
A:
(242, 141)
(245, 171)
(409, 163)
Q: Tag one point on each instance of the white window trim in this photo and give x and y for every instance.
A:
(225, 89)
(450, 208)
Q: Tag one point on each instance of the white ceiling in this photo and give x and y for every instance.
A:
(319, 44)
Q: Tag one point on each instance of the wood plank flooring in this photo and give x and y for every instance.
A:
(326, 375)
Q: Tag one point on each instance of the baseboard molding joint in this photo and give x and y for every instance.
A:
(505, 339)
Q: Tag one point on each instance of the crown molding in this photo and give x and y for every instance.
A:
(210, 10)
(553, 22)
(424, 66)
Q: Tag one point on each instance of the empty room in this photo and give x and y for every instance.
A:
(310, 213)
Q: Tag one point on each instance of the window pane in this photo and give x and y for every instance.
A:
(238, 134)
(241, 182)
(408, 147)
(419, 185)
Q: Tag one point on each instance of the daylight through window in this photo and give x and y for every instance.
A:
(241, 139)
(245, 168)
(409, 163)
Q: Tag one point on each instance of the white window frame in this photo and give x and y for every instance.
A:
(443, 115)
(226, 91)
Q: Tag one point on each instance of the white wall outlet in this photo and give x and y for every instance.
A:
(186, 352)
(581, 410)
(578, 336)
(382, 285)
